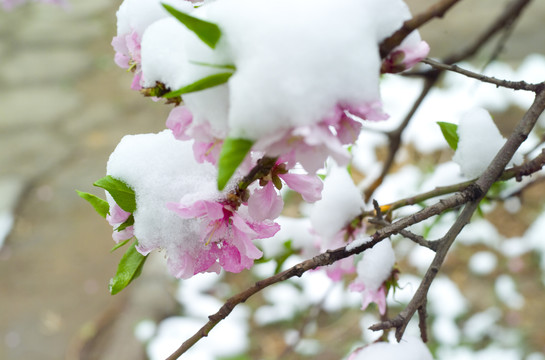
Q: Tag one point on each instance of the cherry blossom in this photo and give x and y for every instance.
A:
(225, 234)
(374, 268)
(206, 147)
(115, 218)
(127, 55)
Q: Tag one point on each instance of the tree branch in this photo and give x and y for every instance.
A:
(438, 10)
(481, 186)
(508, 16)
(514, 85)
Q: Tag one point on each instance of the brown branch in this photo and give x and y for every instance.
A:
(508, 16)
(436, 11)
(395, 138)
(511, 12)
(481, 186)
(517, 172)
(422, 315)
(467, 194)
(328, 258)
(514, 85)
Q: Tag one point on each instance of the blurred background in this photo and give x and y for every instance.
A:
(64, 106)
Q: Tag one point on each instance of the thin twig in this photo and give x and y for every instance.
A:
(508, 16)
(514, 85)
(395, 138)
(436, 11)
(480, 188)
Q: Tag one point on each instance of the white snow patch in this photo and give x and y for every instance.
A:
(483, 263)
(506, 290)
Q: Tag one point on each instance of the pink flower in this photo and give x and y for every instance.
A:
(311, 145)
(411, 51)
(339, 269)
(127, 55)
(309, 186)
(206, 147)
(374, 269)
(265, 203)
(115, 217)
(377, 296)
(178, 121)
(226, 237)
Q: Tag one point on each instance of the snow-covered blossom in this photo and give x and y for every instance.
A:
(374, 268)
(206, 147)
(411, 51)
(225, 234)
(115, 217)
(266, 203)
(133, 18)
(480, 141)
(161, 170)
(279, 101)
(341, 202)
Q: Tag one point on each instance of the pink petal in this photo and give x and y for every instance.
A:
(117, 216)
(123, 235)
(246, 247)
(265, 203)
(265, 229)
(179, 120)
(309, 186)
(207, 151)
(241, 225)
(348, 130)
(369, 111)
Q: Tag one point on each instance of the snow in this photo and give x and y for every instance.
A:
(534, 237)
(480, 141)
(6, 223)
(446, 331)
(483, 263)
(145, 330)
(285, 301)
(162, 53)
(298, 230)
(409, 348)
(445, 300)
(482, 324)
(11, 189)
(341, 202)
(137, 15)
(506, 290)
(490, 353)
(162, 169)
(229, 338)
(270, 83)
(376, 265)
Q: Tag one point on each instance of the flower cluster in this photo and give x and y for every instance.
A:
(293, 92)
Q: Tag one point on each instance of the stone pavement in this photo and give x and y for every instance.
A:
(64, 105)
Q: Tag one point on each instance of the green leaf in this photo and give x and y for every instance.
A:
(208, 32)
(117, 246)
(215, 66)
(101, 206)
(201, 84)
(126, 223)
(123, 195)
(129, 268)
(450, 132)
(232, 154)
